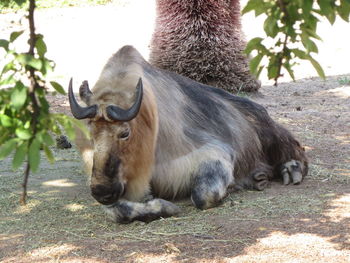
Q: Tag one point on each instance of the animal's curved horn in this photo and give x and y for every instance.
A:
(78, 111)
(117, 114)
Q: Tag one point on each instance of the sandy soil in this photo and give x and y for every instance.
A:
(305, 223)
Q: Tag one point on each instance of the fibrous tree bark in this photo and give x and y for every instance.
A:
(203, 40)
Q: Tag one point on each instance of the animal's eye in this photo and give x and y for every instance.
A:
(124, 135)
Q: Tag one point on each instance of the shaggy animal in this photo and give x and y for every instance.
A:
(157, 132)
(202, 40)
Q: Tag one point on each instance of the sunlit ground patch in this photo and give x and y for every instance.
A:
(25, 209)
(74, 207)
(52, 251)
(339, 209)
(343, 92)
(281, 247)
(6, 238)
(59, 183)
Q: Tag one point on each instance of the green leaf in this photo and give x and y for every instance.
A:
(19, 95)
(307, 7)
(259, 71)
(81, 125)
(308, 43)
(270, 26)
(318, 67)
(29, 60)
(40, 46)
(15, 35)
(34, 155)
(261, 9)
(9, 66)
(47, 66)
(9, 80)
(250, 6)
(5, 120)
(4, 136)
(288, 67)
(7, 148)
(258, 6)
(20, 155)
(50, 65)
(57, 87)
(26, 125)
(331, 17)
(47, 139)
(325, 6)
(344, 10)
(252, 44)
(4, 44)
(69, 124)
(292, 14)
(70, 130)
(19, 2)
(23, 134)
(312, 33)
(44, 104)
(254, 63)
(272, 71)
(327, 9)
(299, 53)
(49, 154)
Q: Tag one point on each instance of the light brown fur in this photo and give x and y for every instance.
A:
(136, 155)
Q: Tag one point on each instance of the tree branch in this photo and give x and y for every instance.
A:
(284, 47)
(33, 87)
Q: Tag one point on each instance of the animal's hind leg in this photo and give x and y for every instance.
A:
(260, 180)
(125, 211)
(261, 177)
(210, 183)
(292, 171)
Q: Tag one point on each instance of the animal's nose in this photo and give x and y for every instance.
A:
(107, 195)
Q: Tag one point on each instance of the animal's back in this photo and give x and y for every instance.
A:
(197, 123)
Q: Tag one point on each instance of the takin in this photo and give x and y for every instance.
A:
(156, 132)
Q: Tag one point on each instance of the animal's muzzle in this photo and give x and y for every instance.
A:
(107, 195)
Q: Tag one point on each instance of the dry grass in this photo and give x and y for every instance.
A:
(60, 208)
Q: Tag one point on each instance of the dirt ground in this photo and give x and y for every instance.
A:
(309, 222)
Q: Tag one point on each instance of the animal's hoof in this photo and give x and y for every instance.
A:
(167, 208)
(261, 181)
(291, 172)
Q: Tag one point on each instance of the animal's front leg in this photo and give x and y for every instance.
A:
(125, 211)
(210, 183)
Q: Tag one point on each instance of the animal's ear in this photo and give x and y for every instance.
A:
(85, 92)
